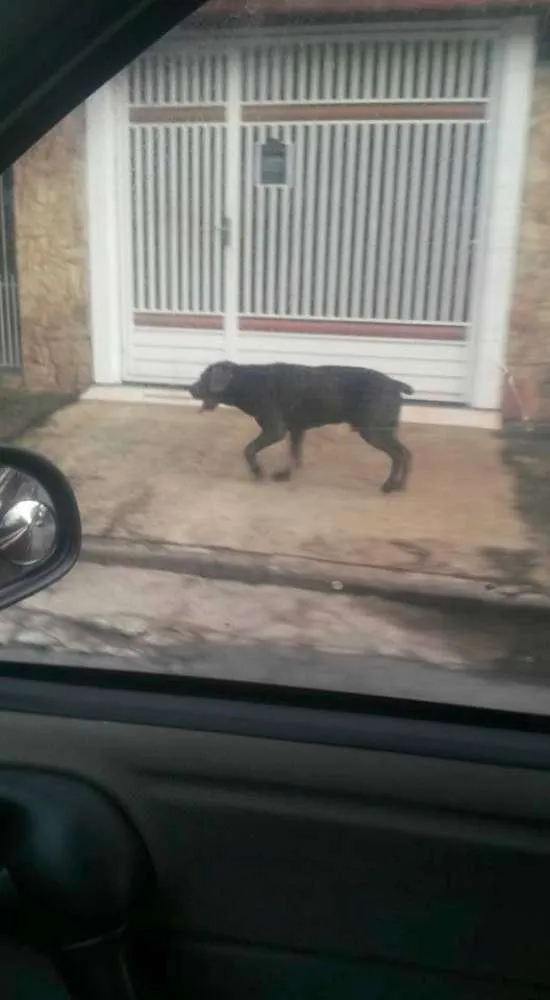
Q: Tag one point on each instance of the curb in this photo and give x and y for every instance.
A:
(451, 592)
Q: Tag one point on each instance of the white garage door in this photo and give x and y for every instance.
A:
(311, 200)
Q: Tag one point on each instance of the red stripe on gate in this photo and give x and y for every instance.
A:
(179, 321)
(332, 328)
(168, 114)
(347, 328)
(367, 111)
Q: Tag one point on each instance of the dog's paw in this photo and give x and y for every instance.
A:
(282, 476)
(389, 487)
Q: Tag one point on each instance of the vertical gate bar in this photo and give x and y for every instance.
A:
(396, 57)
(342, 68)
(287, 69)
(247, 73)
(284, 231)
(449, 89)
(341, 305)
(191, 73)
(388, 207)
(276, 76)
(478, 68)
(336, 276)
(219, 143)
(423, 76)
(175, 221)
(256, 275)
(453, 220)
(263, 80)
(369, 72)
(134, 196)
(354, 79)
(461, 304)
(195, 219)
(144, 82)
(259, 263)
(408, 71)
(314, 91)
(184, 227)
(322, 198)
(272, 262)
(170, 80)
(208, 70)
(309, 217)
(381, 74)
(304, 54)
(232, 204)
(413, 213)
(464, 70)
(162, 82)
(436, 68)
(149, 80)
(219, 79)
(402, 196)
(199, 77)
(209, 230)
(328, 72)
(185, 68)
(376, 136)
(300, 132)
(162, 218)
(177, 78)
(423, 235)
(438, 243)
(150, 263)
(139, 195)
(247, 194)
(364, 138)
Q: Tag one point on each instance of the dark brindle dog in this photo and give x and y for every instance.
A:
(289, 399)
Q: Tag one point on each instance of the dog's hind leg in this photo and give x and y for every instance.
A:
(296, 441)
(268, 436)
(386, 441)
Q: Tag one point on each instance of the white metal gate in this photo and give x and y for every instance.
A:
(364, 254)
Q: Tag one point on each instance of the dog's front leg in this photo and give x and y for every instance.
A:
(296, 441)
(268, 436)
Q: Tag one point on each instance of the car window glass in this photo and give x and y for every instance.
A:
(276, 299)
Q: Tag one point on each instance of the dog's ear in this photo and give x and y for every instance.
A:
(220, 377)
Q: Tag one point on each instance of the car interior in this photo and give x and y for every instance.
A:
(168, 836)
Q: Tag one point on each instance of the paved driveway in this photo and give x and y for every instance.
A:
(171, 474)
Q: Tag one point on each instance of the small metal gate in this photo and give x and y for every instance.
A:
(10, 335)
(362, 251)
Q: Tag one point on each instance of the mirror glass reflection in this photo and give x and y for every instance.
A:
(28, 526)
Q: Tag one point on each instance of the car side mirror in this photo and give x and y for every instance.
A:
(40, 529)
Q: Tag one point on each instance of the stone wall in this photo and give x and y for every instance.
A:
(52, 259)
(529, 336)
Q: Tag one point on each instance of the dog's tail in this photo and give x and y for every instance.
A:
(406, 389)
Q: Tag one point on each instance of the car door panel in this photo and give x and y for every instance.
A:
(321, 861)
(228, 971)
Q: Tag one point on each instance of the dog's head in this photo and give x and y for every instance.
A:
(212, 384)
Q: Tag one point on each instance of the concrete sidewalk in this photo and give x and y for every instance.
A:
(129, 618)
(172, 475)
